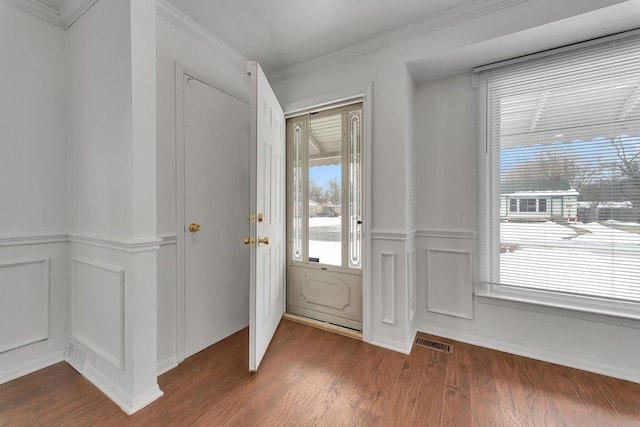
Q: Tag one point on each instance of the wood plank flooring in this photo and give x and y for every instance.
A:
(312, 377)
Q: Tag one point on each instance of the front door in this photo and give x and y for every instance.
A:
(216, 181)
(267, 173)
(325, 198)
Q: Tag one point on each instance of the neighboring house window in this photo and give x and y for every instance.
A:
(572, 116)
(527, 205)
(542, 205)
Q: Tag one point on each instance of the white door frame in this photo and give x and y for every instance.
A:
(364, 92)
(180, 71)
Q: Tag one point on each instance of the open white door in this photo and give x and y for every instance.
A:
(267, 152)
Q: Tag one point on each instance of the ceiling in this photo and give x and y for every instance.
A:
(283, 33)
(286, 32)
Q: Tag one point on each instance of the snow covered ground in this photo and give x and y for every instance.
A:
(578, 258)
(324, 242)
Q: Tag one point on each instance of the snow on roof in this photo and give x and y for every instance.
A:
(507, 187)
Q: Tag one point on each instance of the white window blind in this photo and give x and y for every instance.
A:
(560, 174)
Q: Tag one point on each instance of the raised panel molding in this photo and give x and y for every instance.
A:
(411, 284)
(24, 306)
(450, 282)
(388, 287)
(314, 292)
(63, 18)
(97, 309)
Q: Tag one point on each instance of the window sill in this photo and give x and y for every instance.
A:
(619, 313)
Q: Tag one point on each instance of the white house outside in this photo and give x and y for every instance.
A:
(553, 200)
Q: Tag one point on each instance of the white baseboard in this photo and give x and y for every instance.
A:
(399, 346)
(129, 404)
(167, 365)
(534, 353)
(32, 366)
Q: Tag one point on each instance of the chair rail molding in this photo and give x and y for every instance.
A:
(33, 240)
(447, 233)
(144, 244)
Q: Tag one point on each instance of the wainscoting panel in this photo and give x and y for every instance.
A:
(411, 284)
(388, 287)
(97, 318)
(450, 282)
(24, 305)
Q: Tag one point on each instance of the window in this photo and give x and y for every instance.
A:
(542, 205)
(527, 205)
(325, 187)
(560, 131)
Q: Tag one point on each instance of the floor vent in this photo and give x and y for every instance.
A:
(445, 348)
(74, 356)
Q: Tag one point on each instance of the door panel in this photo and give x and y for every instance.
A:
(267, 180)
(216, 184)
(334, 297)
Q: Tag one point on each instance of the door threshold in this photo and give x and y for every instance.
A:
(330, 327)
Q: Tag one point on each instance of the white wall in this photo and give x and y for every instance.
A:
(100, 116)
(33, 164)
(441, 246)
(180, 40)
(110, 79)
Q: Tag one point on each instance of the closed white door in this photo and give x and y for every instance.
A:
(216, 180)
(267, 207)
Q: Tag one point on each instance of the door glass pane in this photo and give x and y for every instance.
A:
(297, 193)
(355, 187)
(325, 189)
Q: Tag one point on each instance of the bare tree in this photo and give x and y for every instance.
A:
(333, 192)
(626, 165)
(315, 192)
(551, 164)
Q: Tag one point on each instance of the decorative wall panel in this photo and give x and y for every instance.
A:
(411, 284)
(388, 287)
(450, 283)
(24, 303)
(97, 313)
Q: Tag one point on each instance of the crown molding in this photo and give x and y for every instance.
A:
(63, 18)
(188, 25)
(466, 12)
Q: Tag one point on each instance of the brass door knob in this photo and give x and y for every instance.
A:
(263, 240)
(193, 227)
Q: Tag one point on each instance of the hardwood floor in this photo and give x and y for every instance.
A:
(312, 377)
